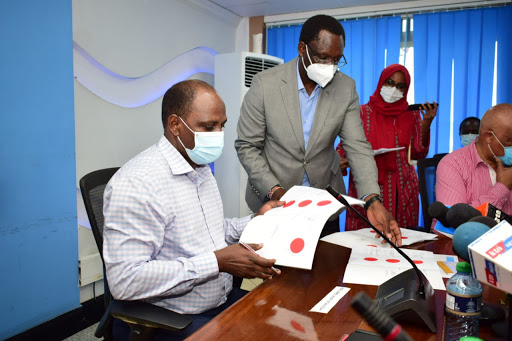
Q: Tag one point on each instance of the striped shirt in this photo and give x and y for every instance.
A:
(163, 222)
(463, 177)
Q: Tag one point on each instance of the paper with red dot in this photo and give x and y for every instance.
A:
(290, 233)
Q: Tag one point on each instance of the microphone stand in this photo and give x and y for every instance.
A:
(340, 198)
(402, 303)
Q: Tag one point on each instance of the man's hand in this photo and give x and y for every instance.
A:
(268, 206)
(384, 221)
(238, 261)
(503, 174)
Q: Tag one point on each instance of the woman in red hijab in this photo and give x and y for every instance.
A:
(388, 124)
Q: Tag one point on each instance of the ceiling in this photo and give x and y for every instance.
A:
(252, 8)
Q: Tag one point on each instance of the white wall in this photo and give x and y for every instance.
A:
(134, 38)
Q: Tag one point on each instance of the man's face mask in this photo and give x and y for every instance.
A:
(207, 146)
(507, 158)
(466, 139)
(319, 73)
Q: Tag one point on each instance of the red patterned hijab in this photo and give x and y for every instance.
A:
(389, 119)
(378, 105)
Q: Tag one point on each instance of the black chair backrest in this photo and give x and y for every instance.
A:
(427, 178)
(92, 187)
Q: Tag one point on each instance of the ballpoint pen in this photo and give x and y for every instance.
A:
(245, 245)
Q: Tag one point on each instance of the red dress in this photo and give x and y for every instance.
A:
(388, 126)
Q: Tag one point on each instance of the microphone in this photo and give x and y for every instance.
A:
(340, 198)
(484, 220)
(378, 319)
(460, 213)
(464, 235)
(489, 210)
(438, 211)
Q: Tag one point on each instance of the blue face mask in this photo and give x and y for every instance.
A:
(207, 146)
(507, 158)
(466, 139)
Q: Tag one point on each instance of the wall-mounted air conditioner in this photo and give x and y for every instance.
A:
(233, 78)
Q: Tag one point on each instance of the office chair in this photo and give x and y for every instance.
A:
(142, 317)
(427, 178)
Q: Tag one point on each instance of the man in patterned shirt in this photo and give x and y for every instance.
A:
(166, 240)
(481, 172)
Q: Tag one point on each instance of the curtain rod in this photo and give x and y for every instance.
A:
(300, 18)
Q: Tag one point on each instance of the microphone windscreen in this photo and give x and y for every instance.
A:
(464, 235)
(461, 213)
(438, 210)
(485, 220)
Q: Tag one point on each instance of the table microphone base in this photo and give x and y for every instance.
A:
(399, 297)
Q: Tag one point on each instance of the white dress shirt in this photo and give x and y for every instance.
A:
(163, 220)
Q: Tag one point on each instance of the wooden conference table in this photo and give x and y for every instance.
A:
(279, 309)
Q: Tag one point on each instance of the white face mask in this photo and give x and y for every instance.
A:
(390, 94)
(207, 146)
(321, 74)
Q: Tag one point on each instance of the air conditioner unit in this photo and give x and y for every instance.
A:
(233, 77)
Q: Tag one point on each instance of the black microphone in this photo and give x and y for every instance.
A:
(460, 213)
(484, 220)
(438, 211)
(378, 319)
(340, 198)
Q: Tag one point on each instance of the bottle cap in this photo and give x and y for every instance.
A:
(470, 338)
(464, 267)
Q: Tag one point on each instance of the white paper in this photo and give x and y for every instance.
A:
(290, 233)
(386, 150)
(374, 266)
(366, 237)
(330, 300)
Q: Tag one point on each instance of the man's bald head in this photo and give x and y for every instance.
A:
(497, 117)
(495, 133)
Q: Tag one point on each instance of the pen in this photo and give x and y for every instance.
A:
(252, 250)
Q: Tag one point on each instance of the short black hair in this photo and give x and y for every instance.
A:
(179, 98)
(468, 120)
(314, 25)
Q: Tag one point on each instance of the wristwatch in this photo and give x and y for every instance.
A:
(372, 199)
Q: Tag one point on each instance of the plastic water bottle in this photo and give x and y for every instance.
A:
(463, 304)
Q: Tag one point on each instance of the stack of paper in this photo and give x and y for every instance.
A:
(374, 266)
(290, 233)
(366, 237)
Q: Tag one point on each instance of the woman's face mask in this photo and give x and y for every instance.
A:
(390, 94)
(207, 146)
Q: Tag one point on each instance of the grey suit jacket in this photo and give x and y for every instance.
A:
(270, 143)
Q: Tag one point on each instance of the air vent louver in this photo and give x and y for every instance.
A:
(254, 65)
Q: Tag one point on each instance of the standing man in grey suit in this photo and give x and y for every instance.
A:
(289, 121)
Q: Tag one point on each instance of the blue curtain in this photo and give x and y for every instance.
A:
(366, 43)
(464, 40)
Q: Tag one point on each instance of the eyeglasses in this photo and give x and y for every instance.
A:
(341, 62)
(391, 83)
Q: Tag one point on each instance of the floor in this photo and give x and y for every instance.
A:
(85, 335)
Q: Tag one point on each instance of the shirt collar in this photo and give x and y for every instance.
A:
(474, 154)
(176, 161)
